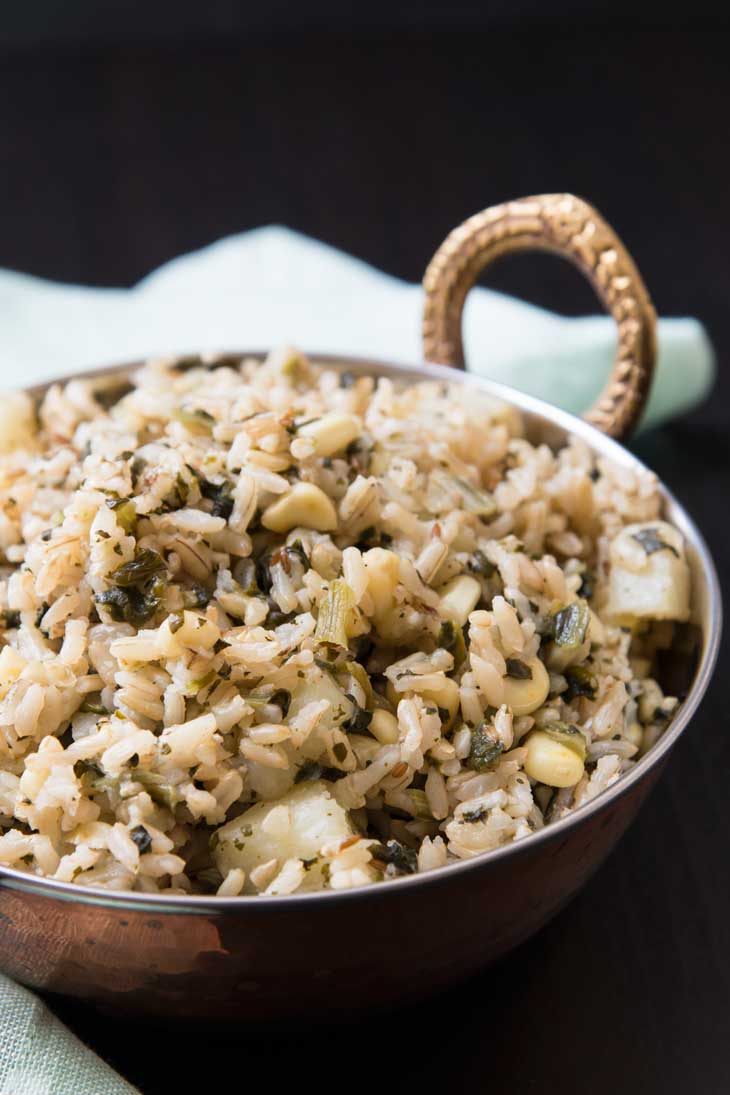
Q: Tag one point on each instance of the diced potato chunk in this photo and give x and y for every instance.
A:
(296, 826)
(649, 576)
(319, 685)
(459, 597)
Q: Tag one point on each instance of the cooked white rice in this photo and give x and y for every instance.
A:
(269, 628)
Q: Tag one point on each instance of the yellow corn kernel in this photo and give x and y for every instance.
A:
(550, 762)
(305, 505)
(524, 697)
(384, 726)
(332, 433)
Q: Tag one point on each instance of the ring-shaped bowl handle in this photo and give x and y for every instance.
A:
(571, 228)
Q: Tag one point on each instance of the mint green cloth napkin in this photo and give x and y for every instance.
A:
(252, 291)
(273, 286)
(39, 1056)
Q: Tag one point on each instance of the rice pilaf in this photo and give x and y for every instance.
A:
(275, 627)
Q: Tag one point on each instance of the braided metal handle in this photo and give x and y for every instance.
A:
(571, 228)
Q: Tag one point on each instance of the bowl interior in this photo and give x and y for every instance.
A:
(684, 672)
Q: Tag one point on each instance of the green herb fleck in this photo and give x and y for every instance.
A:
(587, 586)
(369, 538)
(360, 718)
(451, 638)
(569, 736)
(311, 770)
(125, 513)
(518, 670)
(141, 838)
(472, 816)
(581, 682)
(485, 748)
(145, 565)
(282, 699)
(132, 606)
(158, 788)
(570, 624)
(220, 494)
(92, 706)
(394, 854)
(651, 541)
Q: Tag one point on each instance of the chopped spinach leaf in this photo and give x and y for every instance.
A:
(569, 736)
(360, 718)
(587, 586)
(125, 513)
(581, 682)
(369, 538)
(220, 494)
(141, 838)
(145, 565)
(485, 748)
(311, 770)
(394, 854)
(570, 624)
(451, 638)
(196, 596)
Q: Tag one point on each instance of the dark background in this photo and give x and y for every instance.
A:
(136, 132)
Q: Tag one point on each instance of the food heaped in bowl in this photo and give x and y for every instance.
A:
(273, 628)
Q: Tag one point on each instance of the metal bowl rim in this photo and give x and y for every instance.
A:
(598, 442)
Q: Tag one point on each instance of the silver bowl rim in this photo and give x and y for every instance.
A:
(205, 904)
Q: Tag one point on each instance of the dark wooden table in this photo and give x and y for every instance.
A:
(113, 160)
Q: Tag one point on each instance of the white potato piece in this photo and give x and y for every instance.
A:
(649, 576)
(296, 826)
(319, 685)
(459, 597)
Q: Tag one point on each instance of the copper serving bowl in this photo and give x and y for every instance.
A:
(264, 958)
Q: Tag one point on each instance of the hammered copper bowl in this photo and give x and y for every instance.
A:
(244, 959)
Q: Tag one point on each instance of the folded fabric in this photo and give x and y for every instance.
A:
(40, 1056)
(252, 291)
(273, 286)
